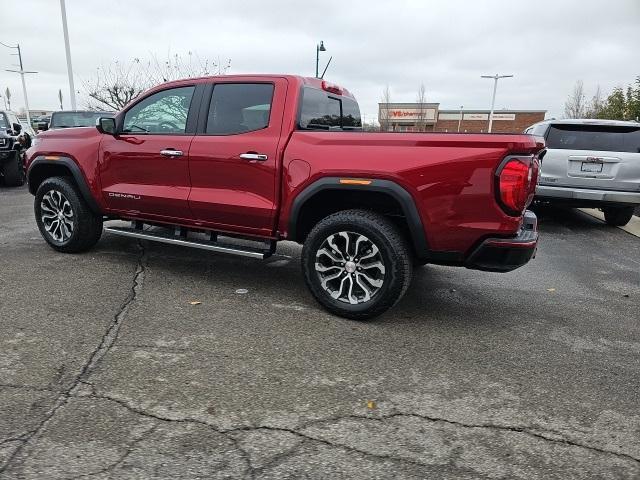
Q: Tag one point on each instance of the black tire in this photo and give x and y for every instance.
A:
(13, 170)
(392, 249)
(617, 216)
(87, 226)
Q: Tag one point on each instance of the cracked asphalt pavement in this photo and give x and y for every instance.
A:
(108, 371)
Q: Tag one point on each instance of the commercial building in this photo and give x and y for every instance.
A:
(427, 117)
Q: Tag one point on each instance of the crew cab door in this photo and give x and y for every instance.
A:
(234, 159)
(144, 168)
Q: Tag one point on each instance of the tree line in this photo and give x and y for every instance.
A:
(620, 104)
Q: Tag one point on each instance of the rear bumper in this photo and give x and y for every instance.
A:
(586, 195)
(506, 254)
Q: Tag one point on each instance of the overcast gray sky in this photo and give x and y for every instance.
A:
(446, 45)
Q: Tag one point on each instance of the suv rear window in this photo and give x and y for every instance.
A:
(603, 138)
(323, 111)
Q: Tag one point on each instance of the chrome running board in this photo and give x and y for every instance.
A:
(182, 240)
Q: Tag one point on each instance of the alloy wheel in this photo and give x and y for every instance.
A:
(350, 267)
(57, 215)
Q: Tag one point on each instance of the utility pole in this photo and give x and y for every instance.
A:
(460, 119)
(22, 73)
(495, 78)
(72, 90)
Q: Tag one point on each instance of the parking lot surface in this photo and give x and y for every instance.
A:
(140, 360)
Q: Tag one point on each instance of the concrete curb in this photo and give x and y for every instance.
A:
(633, 227)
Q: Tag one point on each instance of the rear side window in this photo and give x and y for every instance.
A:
(239, 108)
(603, 138)
(3, 123)
(324, 111)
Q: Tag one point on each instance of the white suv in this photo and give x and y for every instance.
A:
(591, 163)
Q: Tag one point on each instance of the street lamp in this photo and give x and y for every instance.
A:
(495, 77)
(319, 48)
(22, 72)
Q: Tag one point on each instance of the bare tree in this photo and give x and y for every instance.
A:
(575, 106)
(117, 84)
(595, 106)
(421, 117)
(7, 95)
(383, 115)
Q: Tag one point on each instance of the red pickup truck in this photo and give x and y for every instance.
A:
(235, 164)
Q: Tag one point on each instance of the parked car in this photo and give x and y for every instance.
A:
(591, 163)
(41, 123)
(75, 118)
(15, 138)
(270, 158)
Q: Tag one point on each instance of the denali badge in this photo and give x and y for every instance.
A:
(124, 195)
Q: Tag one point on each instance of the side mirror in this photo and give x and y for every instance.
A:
(17, 128)
(106, 125)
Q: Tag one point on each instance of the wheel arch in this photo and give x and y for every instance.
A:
(42, 168)
(298, 228)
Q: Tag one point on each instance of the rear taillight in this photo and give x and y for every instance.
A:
(516, 180)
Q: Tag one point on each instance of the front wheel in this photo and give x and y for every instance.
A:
(617, 216)
(357, 264)
(65, 220)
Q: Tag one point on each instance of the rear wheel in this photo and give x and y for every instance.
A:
(357, 264)
(618, 216)
(65, 220)
(13, 170)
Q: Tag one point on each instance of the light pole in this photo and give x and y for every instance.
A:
(22, 72)
(319, 48)
(65, 31)
(460, 119)
(495, 77)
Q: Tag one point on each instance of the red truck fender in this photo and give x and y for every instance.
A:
(389, 187)
(42, 167)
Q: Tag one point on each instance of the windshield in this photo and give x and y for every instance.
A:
(75, 119)
(604, 138)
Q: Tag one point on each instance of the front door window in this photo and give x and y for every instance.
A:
(164, 112)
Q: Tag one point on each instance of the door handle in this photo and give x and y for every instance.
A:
(254, 156)
(170, 152)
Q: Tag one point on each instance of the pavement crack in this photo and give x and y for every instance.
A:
(107, 341)
(129, 450)
(31, 388)
(539, 433)
(236, 444)
(111, 335)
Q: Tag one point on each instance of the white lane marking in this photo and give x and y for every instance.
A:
(633, 227)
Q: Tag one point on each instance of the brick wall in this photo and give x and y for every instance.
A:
(522, 121)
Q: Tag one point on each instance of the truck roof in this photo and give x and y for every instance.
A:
(298, 79)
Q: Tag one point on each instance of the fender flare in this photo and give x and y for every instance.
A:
(76, 173)
(399, 193)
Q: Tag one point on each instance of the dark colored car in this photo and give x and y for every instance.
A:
(14, 141)
(268, 158)
(75, 118)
